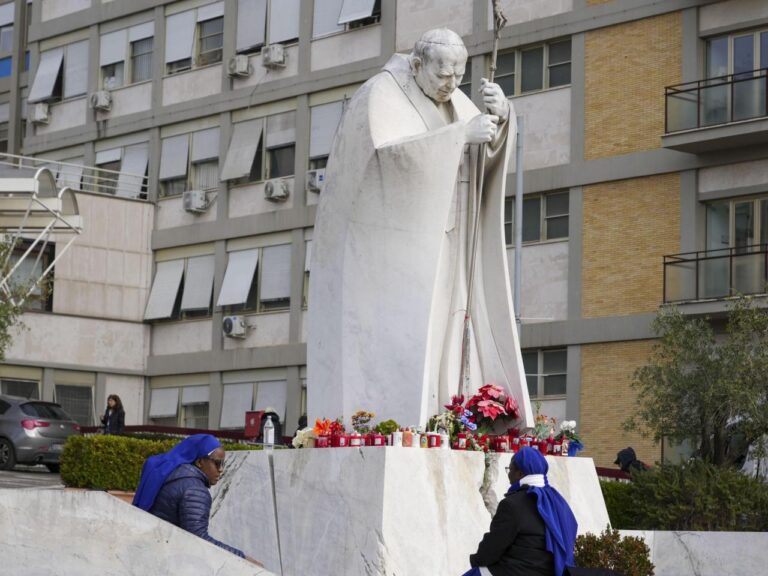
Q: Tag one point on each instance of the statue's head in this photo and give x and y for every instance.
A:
(438, 62)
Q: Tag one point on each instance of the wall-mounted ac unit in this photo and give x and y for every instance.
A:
(273, 56)
(277, 189)
(39, 113)
(194, 201)
(101, 100)
(315, 180)
(239, 66)
(234, 327)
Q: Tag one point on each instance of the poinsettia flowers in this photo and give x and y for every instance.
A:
(492, 402)
(457, 405)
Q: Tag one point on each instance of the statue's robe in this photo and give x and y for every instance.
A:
(390, 259)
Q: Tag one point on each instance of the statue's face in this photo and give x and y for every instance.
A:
(440, 74)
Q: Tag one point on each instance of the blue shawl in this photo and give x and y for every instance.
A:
(561, 525)
(157, 468)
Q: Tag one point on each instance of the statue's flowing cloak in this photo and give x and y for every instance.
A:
(390, 260)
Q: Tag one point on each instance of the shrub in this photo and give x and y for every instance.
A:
(628, 556)
(107, 462)
(698, 496)
(618, 501)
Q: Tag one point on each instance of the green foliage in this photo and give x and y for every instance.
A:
(9, 311)
(698, 496)
(695, 384)
(107, 462)
(386, 427)
(618, 501)
(629, 556)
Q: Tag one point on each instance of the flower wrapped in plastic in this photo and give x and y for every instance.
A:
(304, 438)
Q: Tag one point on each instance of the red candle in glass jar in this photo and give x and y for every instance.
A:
(461, 442)
(433, 440)
(322, 442)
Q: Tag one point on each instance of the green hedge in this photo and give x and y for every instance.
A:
(629, 556)
(113, 462)
(692, 496)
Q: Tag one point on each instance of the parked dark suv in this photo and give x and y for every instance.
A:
(33, 432)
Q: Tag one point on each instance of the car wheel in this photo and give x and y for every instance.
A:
(7, 455)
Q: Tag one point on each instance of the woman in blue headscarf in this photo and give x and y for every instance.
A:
(533, 530)
(174, 485)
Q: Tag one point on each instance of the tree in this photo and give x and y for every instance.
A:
(10, 303)
(703, 386)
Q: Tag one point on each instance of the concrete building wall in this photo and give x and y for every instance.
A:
(519, 11)
(131, 392)
(345, 48)
(64, 115)
(181, 337)
(249, 199)
(170, 213)
(55, 8)
(264, 330)
(414, 17)
(625, 65)
(190, 85)
(628, 227)
(730, 176)
(128, 100)
(259, 73)
(607, 400)
(547, 128)
(732, 13)
(544, 295)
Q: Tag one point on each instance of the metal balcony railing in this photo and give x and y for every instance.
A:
(716, 274)
(715, 101)
(84, 178)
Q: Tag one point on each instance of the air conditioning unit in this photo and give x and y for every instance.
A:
(273, 56)
(234, 326)
(277, 190)
(316, 180)
(39, 113)
(239, 66)
(195, 201)
(101, 100)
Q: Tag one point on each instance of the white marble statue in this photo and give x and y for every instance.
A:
(390, 260)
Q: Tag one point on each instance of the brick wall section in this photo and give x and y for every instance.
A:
(591, 2)
(607, 400)
(629, 225)
(627, 68)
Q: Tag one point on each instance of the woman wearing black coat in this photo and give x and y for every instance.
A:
(114, 416)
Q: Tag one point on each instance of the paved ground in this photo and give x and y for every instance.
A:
(28, 477)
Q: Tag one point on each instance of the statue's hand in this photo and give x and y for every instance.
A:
(482, 128)
(493, 98)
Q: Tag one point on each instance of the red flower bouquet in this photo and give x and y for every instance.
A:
(491, 405)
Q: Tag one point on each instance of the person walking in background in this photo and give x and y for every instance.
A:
(114, 416)
(533, 531)
(174, 486)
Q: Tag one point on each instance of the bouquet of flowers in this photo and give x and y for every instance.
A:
(328, 427)
(361, 421)
(491, 405)
(568, 433)
(544, 428)
(304, 438)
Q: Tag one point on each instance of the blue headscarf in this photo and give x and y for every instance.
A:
(561, 525)
(157, 468)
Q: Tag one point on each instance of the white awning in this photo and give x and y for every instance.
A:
(112, 47)
(284, 23)
(47, 72)
(276, 273)
(236, 401)
(165, 288)
(323, 124)
(141, 31)
(210, 11)
(164, 402)
(281, 129)
(6, 14)
(195, 395)
(307, 255)
(242, 149)
(251, 24)
(112, 155)
(326, 17)
(238, 277)
(173, 157)
(5, 112)
(205, 145)
(132, 170)
(179, 36)
(272, 395)
(76, 69)
(199, 283)
(353, 10)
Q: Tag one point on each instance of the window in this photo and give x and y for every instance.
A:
(257, 279)
(332, 16)
(30, 270)
(194, 403)
(541, 67)
(740, 223)
(61, 73)
(5, 115)
(176, 158)
(77, 401)
(126, 55)
(29, 389)
(164, 406)
(546, 372)
(466, 80)
(251, 157)
(281, 145)
(181, 289)
(307, 264)
(236, 400)
(194, 38)
(122, 171)
(545, 217)
(210, 41)
(6, 27)
(324, 121)
(261, 22)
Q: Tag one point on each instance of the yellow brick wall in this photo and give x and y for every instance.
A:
(607, 400)
(591, 2)
(626, 69)
(628, 226)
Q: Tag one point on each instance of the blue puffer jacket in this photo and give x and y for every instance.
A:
(184, 500)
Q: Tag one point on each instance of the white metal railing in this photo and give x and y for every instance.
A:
(84, 178)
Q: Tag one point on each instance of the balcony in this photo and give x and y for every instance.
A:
(715, 274)
(717, 113)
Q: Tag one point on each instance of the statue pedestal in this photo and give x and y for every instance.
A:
(375, 511)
